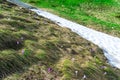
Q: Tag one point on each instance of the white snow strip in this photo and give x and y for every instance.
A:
(109, 44)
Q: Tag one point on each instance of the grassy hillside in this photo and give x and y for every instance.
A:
(34, 48)
(101, 15)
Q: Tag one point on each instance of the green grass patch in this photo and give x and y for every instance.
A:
(96, 14)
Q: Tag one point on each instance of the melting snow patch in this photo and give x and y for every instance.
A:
(109, 44)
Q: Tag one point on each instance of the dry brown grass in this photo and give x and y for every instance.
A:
(46, 45)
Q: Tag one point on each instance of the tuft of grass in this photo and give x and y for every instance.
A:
(8, 41)
(41, 54)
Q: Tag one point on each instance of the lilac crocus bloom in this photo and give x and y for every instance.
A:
(22, 51)
(49, 69)
(18, 42)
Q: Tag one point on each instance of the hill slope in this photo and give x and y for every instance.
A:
(34, 48)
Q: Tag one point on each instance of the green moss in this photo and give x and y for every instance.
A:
(41, 54)
(27, 52)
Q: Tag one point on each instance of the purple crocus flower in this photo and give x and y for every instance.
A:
(49, 69)
(22, 51)
(18, 42)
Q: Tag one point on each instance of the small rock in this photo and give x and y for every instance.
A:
(103, 67)
(92, 50)
(45, 22)
(22, 38)
(8, 19)
(31, 69)
(61, 46)
(112, 27)
(73, 59)
(105, 73)
(76, 73)
(84, 77)
(12, 28)
(20, 7)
